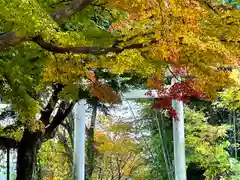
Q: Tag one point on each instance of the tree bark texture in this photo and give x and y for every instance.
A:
(27, 155)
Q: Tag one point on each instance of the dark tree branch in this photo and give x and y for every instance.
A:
(78, 50)
(70, 9)
(14, 40)
(47, 111)
(208, 5)
(11, 39)
(64, 109)
(6, 142)
(46, 114)
(86, 50)
(57, 87)
(229, 41)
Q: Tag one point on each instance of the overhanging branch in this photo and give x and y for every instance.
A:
(77, 50)
(86, 49)
(11, 38)
(14, 40)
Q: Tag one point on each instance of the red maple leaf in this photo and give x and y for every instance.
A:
(180, 71)
(162, 103)
(181, 91)
(173, 113)
(149, 93)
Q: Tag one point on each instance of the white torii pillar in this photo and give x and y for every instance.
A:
(79, 139)
(178, 135)
(179, 140)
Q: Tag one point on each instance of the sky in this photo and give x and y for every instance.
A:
(3, 160)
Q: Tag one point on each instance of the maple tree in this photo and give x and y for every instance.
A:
(115, 160)
(56, 44)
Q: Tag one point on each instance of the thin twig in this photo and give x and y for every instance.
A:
(174, 75)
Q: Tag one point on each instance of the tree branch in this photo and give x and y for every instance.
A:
(47, 111)
(85, 49)
(11, 39)
(6, 142)
(208, 5)
(69, 9)
(62, 113)
(78, 50)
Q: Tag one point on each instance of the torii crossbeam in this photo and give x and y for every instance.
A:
(178, 135)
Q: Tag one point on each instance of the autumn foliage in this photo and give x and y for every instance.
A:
(43, 43)
(180, 91)
(183, 41)
(105, 93)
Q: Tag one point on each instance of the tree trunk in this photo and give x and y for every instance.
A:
(27, 155)
(8, 163)
(90, 141)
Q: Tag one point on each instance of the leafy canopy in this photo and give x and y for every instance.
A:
(56, 41)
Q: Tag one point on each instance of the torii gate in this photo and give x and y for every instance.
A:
(178, 134)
